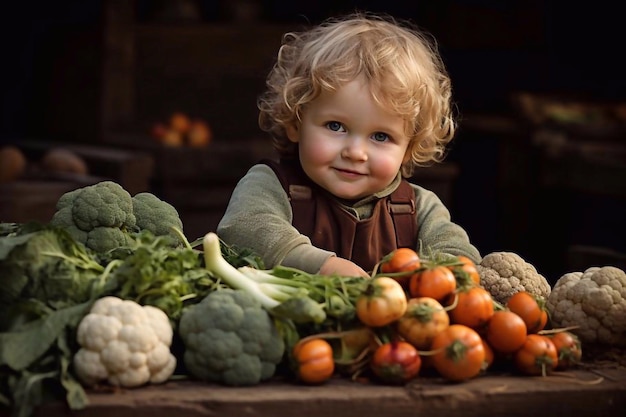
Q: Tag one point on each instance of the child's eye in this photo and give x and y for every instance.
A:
(335, 126)
(380, 137)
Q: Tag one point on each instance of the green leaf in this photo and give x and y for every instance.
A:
(8, 243)
(21, 348)
(75, 396)
(301, 309)
(29, 392)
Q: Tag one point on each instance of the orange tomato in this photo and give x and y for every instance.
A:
(460, 353)
(314, 360)
(489, 355)
(537, 356)
(180, 122)
(530, 308)
(399, 261)
(383, 302)
(199, 134)
(437, 282)
(396, 362)
(474, 307)
(424, 318)
(506, 332)
(172, 138)
(568, 347)
(467, 273)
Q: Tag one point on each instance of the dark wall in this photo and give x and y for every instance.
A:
(490, 47)
(51, 78)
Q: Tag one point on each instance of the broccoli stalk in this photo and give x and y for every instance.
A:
(279, 296)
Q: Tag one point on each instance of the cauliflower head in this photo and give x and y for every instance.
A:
(595, 302)
(230, 339)
(96, 215)
(124, 344)
(157, 216)
(506, 273)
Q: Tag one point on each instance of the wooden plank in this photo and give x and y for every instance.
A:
(509, 395)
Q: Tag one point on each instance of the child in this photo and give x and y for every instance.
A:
(353, 105)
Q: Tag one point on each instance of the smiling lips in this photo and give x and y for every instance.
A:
(348, 173)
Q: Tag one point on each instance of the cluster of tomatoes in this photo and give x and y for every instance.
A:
(433, 313)
(182, 130)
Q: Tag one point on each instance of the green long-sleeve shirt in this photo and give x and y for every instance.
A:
(259, 217)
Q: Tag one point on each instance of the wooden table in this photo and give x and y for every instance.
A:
(580, 392)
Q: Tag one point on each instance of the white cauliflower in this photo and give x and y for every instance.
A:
(506, 273)
(125, 344)
(593, 300)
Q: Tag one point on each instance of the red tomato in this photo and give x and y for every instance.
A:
(401, 260)
(460, 353)
(531, 309)
(568, 347)
(423, 319)
(537, 356)
(314, 360)
(506, 332)
(474, 307)
(396, 362)
(383, 302)
(437, 282)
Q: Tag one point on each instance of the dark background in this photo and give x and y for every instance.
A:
(490, 47)
(52, 81)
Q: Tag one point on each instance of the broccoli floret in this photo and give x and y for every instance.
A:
(157, 216)
(230, 339)
(103, 239)
(105, 204)
(96, 215)
(64, 218)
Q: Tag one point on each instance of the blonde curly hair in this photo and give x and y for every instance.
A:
(401, 64)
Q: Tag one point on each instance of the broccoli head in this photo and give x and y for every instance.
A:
(230, 339)
(156, 215)
(102, 216)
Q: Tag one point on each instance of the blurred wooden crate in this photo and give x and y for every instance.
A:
(33, 197)
(24, 201)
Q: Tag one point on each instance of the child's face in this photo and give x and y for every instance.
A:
(348, 144)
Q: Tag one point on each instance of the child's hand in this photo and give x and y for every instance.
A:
(341, 266)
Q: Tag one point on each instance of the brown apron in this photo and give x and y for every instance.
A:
(320, 217)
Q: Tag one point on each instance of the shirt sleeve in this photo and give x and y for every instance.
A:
(436, 231)
(258, 217)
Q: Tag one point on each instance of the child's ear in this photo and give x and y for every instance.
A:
(292, 132)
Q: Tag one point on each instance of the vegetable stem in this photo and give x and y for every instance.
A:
(217, 265)
(283, 297)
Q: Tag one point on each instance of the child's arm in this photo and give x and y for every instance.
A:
(437, 232)
(258, 217)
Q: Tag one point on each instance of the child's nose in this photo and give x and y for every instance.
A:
(355, 148)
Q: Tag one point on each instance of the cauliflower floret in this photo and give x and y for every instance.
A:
(229, 338)
(506, 273)
(594, 301)
(124, 343)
